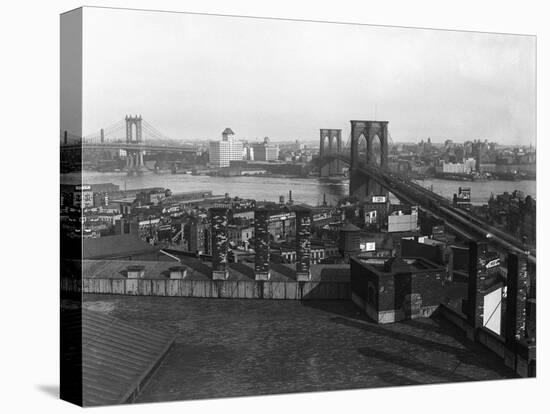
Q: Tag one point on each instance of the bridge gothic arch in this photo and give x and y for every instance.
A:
(133, 129)
(330, 143)
(373, 132)
(134, 157)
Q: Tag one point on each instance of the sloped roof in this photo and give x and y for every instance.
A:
(117, 357)
(115, 246)
(349, 227)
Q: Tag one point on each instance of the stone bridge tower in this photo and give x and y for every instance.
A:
(360, 185)
(330, 142)
(134, 157)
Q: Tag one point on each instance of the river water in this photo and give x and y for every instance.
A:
(306, 190)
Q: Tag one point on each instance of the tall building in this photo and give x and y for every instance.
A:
(265, 151)
(221, 153)
(196, 234)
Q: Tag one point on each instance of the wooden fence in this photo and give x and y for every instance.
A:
(242, 289)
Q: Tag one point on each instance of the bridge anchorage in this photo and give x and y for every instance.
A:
(134, 157)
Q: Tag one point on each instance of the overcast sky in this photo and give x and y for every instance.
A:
(193, 75)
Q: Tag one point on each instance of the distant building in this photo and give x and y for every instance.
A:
(466, 167)
(403, 218)
(83, 196)
(196, 234)
(226, 150)
(265, 151)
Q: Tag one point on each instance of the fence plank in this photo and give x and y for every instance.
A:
(159, 287)
(132, 287)
(291, 290)
(118, 287)
(173, 287)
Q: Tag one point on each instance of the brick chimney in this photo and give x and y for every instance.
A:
(516, 297)
(218, 219)
(303, 244)
(261, 244)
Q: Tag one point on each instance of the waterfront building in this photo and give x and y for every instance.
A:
(265, 151)
(221, 153)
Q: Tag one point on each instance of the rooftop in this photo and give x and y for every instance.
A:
(232, 347)
(115, 246)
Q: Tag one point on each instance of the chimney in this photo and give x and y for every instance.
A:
(516, 297)
(178, 272)
(290, 197)
(218, 218)
(261, 244)
(102, 136)
(303, 244)
(135, 272)
(476, 277)
(65, 138)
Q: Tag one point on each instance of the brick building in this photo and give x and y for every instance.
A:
(397, 288)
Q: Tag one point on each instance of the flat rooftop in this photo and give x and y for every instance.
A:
(230, 347)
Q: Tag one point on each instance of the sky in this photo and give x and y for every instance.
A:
(191, 76)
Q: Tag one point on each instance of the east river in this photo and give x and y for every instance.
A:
(306, 190)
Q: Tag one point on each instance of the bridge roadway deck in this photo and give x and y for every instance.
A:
(128, 146)
(464, 224)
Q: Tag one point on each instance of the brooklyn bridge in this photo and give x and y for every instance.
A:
(366, 154)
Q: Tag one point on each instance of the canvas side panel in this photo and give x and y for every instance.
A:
(70, 212)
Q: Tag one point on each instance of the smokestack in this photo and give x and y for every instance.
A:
(261, 244)
(303, 244)
(290, 197)
(218, 218)
(102, 136)
(65, 137)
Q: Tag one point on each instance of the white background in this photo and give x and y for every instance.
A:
(29, 96)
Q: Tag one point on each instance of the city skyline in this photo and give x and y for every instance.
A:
(483, 87)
